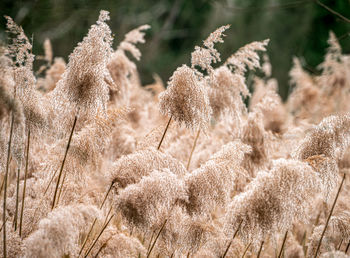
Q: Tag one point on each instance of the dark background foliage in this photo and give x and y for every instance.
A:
(295, 27)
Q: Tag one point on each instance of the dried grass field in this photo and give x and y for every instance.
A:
(95, 164)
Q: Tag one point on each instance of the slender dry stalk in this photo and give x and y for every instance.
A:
(150, 241)
(347, 247)
(246, 249)
(193, 147)
(5, 183)
(93, 244)
(15, 218)
(48, 185)
(329, 216)
(87, 236)
(2, 226)
(166, 129)
(63, 161)
(95, 220)
(106, 195)
(2, 184)
(261, 246)
(234, 235)
(341, 242)
(102, 246)
(284, 241)
(61, 188)
(155, 240)
(332, 11)
(24, 183)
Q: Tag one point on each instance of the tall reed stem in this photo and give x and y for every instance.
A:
(155, 240)
(99, 235)
(341, 242)
(24, 184)
(246, 250)
(150, 241)
(347, 247)
(95, 220)
(193, 147)
(329, 216)
(261, 246)
(15, 217)
(61, 188)
(284, 241)
(5, 183)
(166, 129)
(234, 235)
(63, 161)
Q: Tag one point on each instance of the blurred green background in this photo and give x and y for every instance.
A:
(295, 28)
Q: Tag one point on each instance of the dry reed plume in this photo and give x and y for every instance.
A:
(87, 169)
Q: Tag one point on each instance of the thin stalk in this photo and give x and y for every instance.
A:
(24, 184)
(261, 246)
(94, 222)
(92, 226)
(109, 212)
(154, 243)
(15, 218)
(305, 247)
(106, 195)
(341, 242)
(332, 11)
(47, 187)
(2, 226)
(284, 241)
(2, 184)
(193, 147)
(347, 247)
(5, 183)
(87, 236)
(246, 250)
(99, 250)
(103, 229)
(166, 129)
(61, 188)
(150, 241)
(234, 235)
(102, 246)
(63, 161)
(329, 216)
